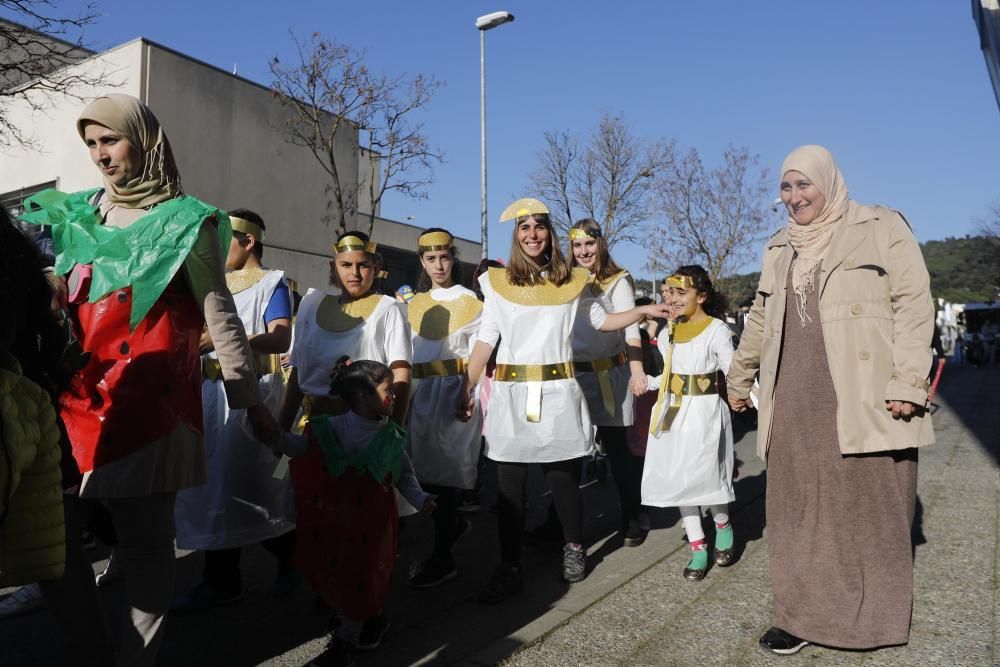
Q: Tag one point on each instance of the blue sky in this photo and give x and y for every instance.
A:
(897, 89)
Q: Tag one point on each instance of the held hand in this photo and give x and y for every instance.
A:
(739, 404)
(430, 504)
(205, 344)
(638, 385)
(657, 310)
(463, 411)
(265, 428)
(902, 409)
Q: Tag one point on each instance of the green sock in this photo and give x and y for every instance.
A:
(724, 538)
(699, 560)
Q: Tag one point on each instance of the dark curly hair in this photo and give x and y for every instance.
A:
(352, 380)
(715, 301)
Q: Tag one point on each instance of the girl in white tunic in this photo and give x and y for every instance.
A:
(358, 323)
(537, 412)
(444, 318)
(609, 367)
(689, 454)
(242, 502)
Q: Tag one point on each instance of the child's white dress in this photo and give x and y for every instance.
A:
(692, 462)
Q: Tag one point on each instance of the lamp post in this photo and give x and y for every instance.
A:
(484, 23)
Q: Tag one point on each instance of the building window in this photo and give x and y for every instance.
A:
(13, 201)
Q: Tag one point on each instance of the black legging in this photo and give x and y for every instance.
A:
(445, 519)
(221, 571)
(626, 468)
(564, 481)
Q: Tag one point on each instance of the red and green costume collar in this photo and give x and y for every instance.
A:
(144, 256)
(382, 457)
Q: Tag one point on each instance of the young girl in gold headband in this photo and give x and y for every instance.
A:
(444, 317)
(689, 454)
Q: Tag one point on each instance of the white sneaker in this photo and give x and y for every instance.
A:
(112, 573)
(25, 600)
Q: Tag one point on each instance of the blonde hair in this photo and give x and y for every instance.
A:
(522, 270)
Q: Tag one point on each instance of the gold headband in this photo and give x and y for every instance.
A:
(352, 243)
(522, 208)
(434, 241)
(577, 234)
(246, 227)
(684, 282)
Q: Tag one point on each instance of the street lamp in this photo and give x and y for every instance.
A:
(484, 23)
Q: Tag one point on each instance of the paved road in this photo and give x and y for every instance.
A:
(634, 608)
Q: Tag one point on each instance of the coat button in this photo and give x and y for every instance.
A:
(856, 309)
(864, 355)
(124, 348)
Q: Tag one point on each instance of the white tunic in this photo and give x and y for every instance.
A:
(692, 463)
(383, 336)
(532, 335)
(241, 503)
(445, 450)
(590, 343)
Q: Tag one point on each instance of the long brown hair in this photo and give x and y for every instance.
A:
(521, 270)
(606, 266)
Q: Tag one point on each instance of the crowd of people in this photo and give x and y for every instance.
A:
(142, 379)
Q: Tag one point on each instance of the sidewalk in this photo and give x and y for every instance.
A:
(660, 619)
(634, 608)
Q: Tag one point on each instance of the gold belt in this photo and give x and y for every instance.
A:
(678, 386)
(439, 368)
(533, 375)
(264, 364)
(601, 368)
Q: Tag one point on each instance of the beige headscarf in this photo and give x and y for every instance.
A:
(131, 118)
(811, 241)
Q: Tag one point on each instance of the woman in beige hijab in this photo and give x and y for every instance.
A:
(146, 271)
(840, 334)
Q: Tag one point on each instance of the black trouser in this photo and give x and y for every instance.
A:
(626, 468)
(563, 478)
(446, 520)
(222, 566)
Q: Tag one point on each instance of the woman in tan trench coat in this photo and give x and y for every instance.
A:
(840, 334)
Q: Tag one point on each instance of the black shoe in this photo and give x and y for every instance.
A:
(548, 535)
(506, 581)
(574, 565)
(725, 557)
(632, 535)
(433, 572)
(778, 641)
(372, 632)
(338, 653)
(202, 597)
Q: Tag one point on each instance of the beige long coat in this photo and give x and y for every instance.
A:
(877, 317)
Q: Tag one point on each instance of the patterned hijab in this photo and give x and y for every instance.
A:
(811, 241)
(159, 180)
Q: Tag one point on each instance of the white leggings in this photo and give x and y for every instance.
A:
(691, 518)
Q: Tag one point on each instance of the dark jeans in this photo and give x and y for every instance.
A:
(626, 468)
(222, 566)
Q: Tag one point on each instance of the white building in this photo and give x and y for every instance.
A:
(230, 151)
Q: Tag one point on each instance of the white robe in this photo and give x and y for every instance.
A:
(242, 502)
(590, 343)
(692, 463)
(531, 335)
(445, 451)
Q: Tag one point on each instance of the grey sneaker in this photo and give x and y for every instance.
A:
(25, 600)
(574, 565)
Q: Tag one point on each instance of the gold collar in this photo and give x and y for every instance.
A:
(433, 319)
(244, 279)
(607, 283)
(332, 315)
(685, 331)
(545, 294)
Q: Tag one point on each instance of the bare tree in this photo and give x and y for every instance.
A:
(37, 49)
(608, 178)
(717, 218)
(331, 98)
(989, 224)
